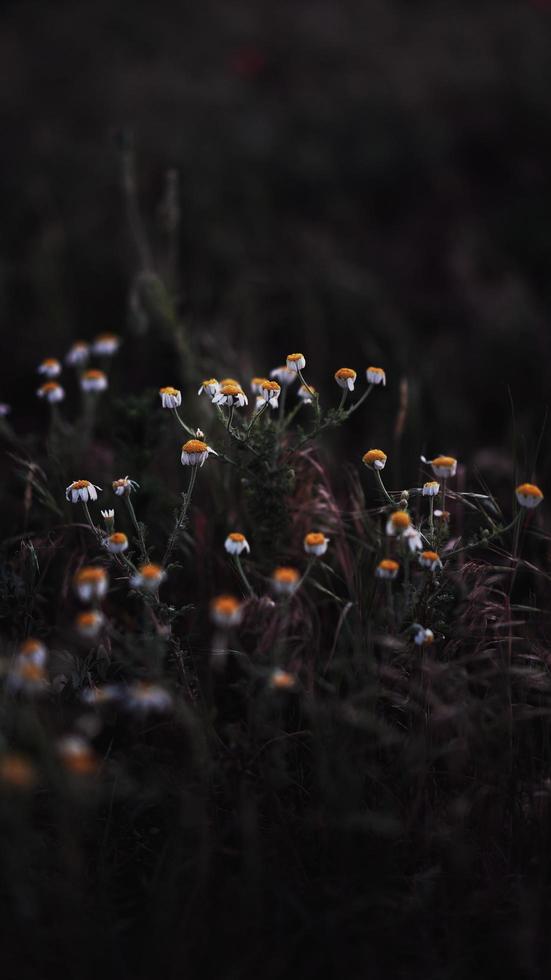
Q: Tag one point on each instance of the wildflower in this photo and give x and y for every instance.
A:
(226, 611)
(529, 495)
(81, 490)
(442, 466)
(229, 381)
(211, 387)
(398, 522)
(195, 453)
(345, 378)
(28, 677)
(91, 583)
(285, 580)
(270, 392)
(230, 395)
(376, 376)
(103, 694)
(93, 380)
(124, 486)
(148, 577)
(236, 543)
(89, 624)
(77, 755)
(106, 344)
(170, 397)
(307, 394)
(282, 680)
(375, 459)
(296, 362)
(387, 568)
(109, 518)
(423, 637)
(285, 375)
(413, 539)
(33, 651)
(52, 392)
(143, 696)
(430, 559)
(431, 488)
(315, 543)
(50, 367)
(257, 385)
(17, 771)
(5, 409)
(78, 354)
(116, 543)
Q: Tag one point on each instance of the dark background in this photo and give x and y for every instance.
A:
(365, 181)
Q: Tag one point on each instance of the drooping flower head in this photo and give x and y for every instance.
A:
(529, 495)
(106, 344)
(442, 466)
(286, 376)
(315, 543)
(257, 383)
(236, 543)
(413, 539)
(195, 452)
(81, 490)
(78, 354)
(285, 580)
(387, 569)
(423, 637)
(376, 376)
(398, 523)
(375, 459)
(89, 624)
(148, 577)
(116, 543)
(270, 392)
(34, 651)
(431, 488)
(307, 394)
(296, 362)
(93, 380)
(49, 367)
(346, 378)
(91, 583)
(226, 611)
(210, 386)
(431, 560)
(170, 397)
(52, 392)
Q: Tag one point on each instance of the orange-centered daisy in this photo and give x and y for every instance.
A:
(529, 495)
(387, 568)
(375, 458)
(345, 378)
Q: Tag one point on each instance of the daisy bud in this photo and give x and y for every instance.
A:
(387, 569)
(124, 486)
(423, 637)
(431, 560)
(50, 368)
(376, 376)
(106, 344)
(431, 488)
(315, 543)
(226, 611)
(116, 543)
(346, 378)
(375, 459)
(529, 495)
(398, 523)
(236, 543)
(148, 577)
(285, 580)
(78, 354)
(296, 362)
(170, 397)
(93, 380)
(89, 624)
(109, 519)
(91, 583)
(52, 392)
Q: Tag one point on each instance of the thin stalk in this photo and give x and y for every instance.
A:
(181, 517)
(187, 428)
(431, 518)
(143, 550)
(360, 401)
(343, 399)
(282, 400)
(244, 578)
(382, 486)
(256, 417)
(95, 529)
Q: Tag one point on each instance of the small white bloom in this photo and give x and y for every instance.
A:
(270, 392)
(529, 495)
(93, 380)
(196, 453)
(89, 624)
(230, 395)
(398, 523)
(431, 488)
(387, 569)
(286, 376)
(315, 543)
(226, 611)
(50, 368)
(346, 378)
(104, 694)
(52, 392)
(91, 583)
(442, 466)
(81, 490)
(106, 344)
(236, 543)
(210, 386)
(148, 577)
(124, 486)
(430, 559)
(116, 543)
(296, 362)
(413, 539)
(27, 676)
(422, 636)
(78, 354)
(33, 651)
(5, 409)
(376, 376)
(285, 580)
(170, 397)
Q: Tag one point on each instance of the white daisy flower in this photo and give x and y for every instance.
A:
(93, 380)
(285, 580)
(431, 560)
(413, 539)
(50, 368)
(143, 696)
(230, 395)
(315, 543)
(398, 523)
(33, 651)
(106, 344)
(78, 354)
(529, 495)
(210, 387)
(286, 376)
(375, 459)
(423, 637)
(124, 486)
(387, 569)
(195, 453)
(89, 624)
(226, 611)
(52, 392)
(376, 376)
(28, 677)
(346, 378)
(91, 583)
(148, 577)
(116, 543)
(306, 394)
(442, 466)
(170, 397)
(236, 543)
(81, 490)
(431, 488)
(270, 393)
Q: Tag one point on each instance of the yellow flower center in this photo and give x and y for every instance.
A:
(88, 575)
(232, 388)
(282, 680)
(314, 538)
(50, 386)
(430, 555)
(194, 446)
(294, 357)
(118, 538)
(212, 381)
(80, 484)
(225, 605)
(226, 381)
(93, 374)
(400, 519)
(286, 575)
(374, 456)
(444, 461)
(87, 619)
(271, 386)
(50, 362)
(389, 565)
(236, 536)
(529, 490)
(29, 647)
(150, 571)
(376, 370)
(106, 336)
(345, 373)
(17, 770)
(169, 391)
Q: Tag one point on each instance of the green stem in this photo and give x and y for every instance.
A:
(256, 417)
(282, 400)
(431, 518)
(186, 428)
(89, 519)
(144, 557)
(244, 578)
(359, 402)
(343, 399)
(181, 517)
(382, 486)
